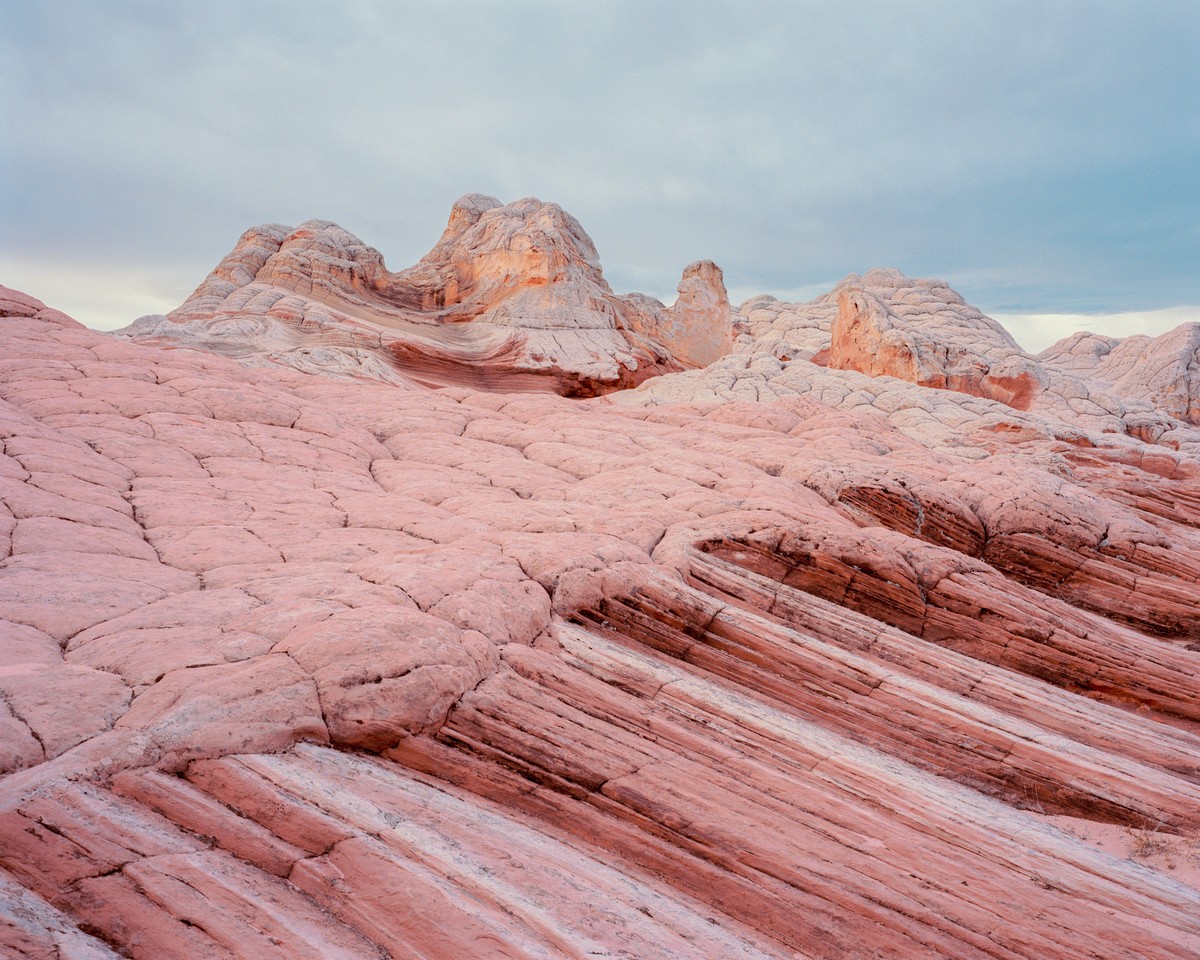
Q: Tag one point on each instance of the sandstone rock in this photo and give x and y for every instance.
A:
(33, 929)
(1163, 371)
(761, 659)
(697, 330)
(923, 332)
(383, 676)
(36, 693)
(886, 324)
(265, 703)
(511, 297)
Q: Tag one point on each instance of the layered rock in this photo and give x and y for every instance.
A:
(926, 334)
(884, 324)
(511, 297)
(801, 654)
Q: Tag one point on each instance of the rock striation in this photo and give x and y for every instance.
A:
(837, 645)
(511, 297)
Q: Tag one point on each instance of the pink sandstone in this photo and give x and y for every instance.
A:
(512, 296)
(327, 629)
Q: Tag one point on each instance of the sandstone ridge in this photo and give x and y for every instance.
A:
(511, 297)
(886, 324)
(854, 640)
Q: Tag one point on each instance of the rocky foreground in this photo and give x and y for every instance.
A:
(371, 638)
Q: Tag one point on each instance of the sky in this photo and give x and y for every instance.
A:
(1042, 157)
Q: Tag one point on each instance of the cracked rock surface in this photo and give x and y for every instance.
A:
(808, 652)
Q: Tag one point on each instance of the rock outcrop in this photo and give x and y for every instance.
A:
(1163, 371)
(884, 324)
(511, 297)
(847, 644)
(926, 334)
(697, 329)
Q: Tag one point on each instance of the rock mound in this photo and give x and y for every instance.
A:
(1163, 371)
(923, 332)
(511, 297)
(886, 325)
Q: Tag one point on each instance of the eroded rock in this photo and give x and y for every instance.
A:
(785, 655)
(511, 297)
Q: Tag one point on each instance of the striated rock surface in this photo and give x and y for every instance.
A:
(863, 640)
(511, 297)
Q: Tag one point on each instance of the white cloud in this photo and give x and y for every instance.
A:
(1036, 331)
(787, 141)
(101, 296)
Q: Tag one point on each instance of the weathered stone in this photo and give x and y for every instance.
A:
(511, 297)
(800, 653)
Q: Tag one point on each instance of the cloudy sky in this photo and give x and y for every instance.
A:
(1043, 157)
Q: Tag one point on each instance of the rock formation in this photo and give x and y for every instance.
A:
(848, 644)
(1164, 370)
(511, 297)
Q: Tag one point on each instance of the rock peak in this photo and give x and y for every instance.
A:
(512, 296)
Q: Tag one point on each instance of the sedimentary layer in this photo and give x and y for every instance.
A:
(511, 297)
(794, 654)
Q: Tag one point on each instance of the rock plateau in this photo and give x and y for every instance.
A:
(476, 611)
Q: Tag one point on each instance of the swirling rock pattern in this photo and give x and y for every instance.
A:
(511, 297)
(807, 652)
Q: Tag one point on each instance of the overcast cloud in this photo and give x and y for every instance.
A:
(1042, 157)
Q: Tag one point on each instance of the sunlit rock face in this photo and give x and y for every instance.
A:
(512, 297)
(697, 329)
(923, 332)
(807, 651)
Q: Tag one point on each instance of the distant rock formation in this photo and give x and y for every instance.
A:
(808, 651)
(1163, 371)
(884, 324)
(697, 329)
(923, 332)
(511, 297)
